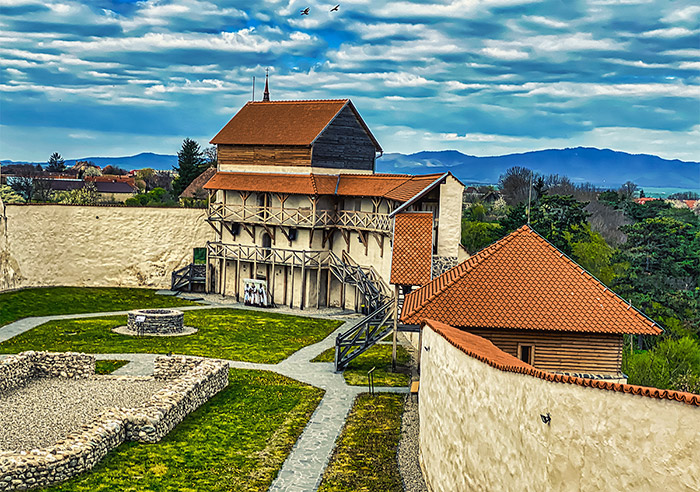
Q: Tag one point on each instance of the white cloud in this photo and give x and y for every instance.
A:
(669, 32)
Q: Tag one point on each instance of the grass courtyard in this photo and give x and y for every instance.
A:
(365, 454)
(235, 442)
(45, 301)
(235, 334)
(378, 357)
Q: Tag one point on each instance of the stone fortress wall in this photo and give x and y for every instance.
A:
(192, 381)
(73, 245)
(481, 429)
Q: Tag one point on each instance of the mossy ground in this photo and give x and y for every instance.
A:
(235, 442)
(236, 334)
(378, 357)
(108, 366)
(365, 456)
(45, 301)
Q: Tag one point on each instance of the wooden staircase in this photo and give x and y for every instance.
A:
(190, 277)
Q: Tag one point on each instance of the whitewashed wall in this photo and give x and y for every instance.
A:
(480, 430)
(44, 245)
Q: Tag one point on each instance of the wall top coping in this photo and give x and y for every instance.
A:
(485, 351)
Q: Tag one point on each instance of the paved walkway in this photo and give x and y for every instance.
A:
(303, 469)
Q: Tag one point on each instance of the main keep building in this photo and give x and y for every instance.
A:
(295, 201)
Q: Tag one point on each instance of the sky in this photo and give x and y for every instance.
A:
(485, 77)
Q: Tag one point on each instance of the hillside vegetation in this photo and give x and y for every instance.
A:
(647, 253)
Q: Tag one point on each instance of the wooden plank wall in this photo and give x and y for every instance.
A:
(561, 351)
(344, 145)
(264, 155)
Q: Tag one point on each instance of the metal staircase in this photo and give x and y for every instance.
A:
(379, 301)
(364, 334)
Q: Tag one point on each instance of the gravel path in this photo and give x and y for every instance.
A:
(47, 410)
(407, 454)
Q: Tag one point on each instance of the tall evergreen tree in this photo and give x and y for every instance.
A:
(56, 163)
(190, 164)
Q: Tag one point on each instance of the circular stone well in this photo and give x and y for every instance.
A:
(156, 321)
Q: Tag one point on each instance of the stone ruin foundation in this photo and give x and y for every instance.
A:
(190, 382)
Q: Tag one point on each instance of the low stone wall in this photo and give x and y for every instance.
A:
(156, 321)
(202, 379)
(18, 370)
(481, 428)
(194, 381)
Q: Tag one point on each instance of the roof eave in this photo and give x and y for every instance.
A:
(420, 195)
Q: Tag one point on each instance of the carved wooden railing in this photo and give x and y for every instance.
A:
(273, 255)
(372, 221)
(300, 217)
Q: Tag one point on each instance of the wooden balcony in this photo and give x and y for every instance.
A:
(271, 256)
(300, 217)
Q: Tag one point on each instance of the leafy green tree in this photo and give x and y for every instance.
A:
(157, 197)
(663, 254)
(595, 255)
(8, 195)
(560, 219)
(87, 195)
(56, 163)
(478, 235)
(476, 212)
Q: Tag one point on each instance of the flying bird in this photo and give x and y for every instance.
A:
(335, 9)
(305, 11)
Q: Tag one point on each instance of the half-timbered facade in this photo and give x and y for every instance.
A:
(296, 202)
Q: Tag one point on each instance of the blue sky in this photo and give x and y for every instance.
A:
(486, 77)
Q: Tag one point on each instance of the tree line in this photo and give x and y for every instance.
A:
(647, 253)
(30, 183)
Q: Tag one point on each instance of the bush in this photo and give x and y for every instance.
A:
(478, 235)
(671, 364)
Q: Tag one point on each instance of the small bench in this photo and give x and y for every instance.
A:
(414, 388)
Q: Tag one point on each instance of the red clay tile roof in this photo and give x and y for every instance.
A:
(284, 123)
(485, 351)
(198, 183)
(399, 187)
(523, 282)
(412, 254)
(646, 199)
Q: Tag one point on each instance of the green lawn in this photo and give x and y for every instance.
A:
(251, 336)
(235, 442)
(45, 301)
(365, 455)
(108, 366)
(379, 357)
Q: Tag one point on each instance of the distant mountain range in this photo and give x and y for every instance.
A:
(602, 167)
(161, 162)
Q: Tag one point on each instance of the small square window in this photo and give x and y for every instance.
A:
(526, 353)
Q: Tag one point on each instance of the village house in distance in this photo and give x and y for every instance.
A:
(296, 203)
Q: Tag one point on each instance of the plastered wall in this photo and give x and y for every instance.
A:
(480, 430)
(97, 246)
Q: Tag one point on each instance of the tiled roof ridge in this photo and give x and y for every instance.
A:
(457, 272)
(313, 183)
(297, 101)
(596, 282)
(528, 370)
